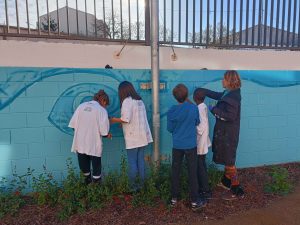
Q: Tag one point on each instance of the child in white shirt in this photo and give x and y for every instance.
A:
(90, 123)
(203, 143)
(136, 131)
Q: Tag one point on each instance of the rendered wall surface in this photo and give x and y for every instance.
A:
(36, 105)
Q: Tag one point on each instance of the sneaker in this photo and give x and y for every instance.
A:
(205, 195)
(225, 183)
(97, 181)
(198, 204)
(173, 202)
(87, 179)
(229, 196)
(238, 191)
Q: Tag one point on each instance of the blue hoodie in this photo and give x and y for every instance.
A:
(182, 121)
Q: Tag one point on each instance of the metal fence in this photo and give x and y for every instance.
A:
(195, 23)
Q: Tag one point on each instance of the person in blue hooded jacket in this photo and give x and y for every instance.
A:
(182, 121)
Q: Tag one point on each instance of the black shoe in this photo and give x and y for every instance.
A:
(201, 203)
(225, 183)
(87, 179)
(205, 195)
(238, 191)
(97, 181)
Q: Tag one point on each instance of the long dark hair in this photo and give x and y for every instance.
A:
(125, 90)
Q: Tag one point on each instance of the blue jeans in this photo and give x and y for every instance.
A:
(136, 166)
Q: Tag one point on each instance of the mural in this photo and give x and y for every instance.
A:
(19, 80)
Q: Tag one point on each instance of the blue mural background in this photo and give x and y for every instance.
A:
(36, 105)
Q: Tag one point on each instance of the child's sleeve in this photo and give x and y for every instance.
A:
(203, 120)
(229, 113)
(170, 124)
(126, 110)
(213, 94)
(104, 123)
(74, 119)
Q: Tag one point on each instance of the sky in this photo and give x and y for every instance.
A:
(164, 12)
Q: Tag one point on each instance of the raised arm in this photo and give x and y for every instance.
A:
(213, 94)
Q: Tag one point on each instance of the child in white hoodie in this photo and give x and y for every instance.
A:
(203, 143)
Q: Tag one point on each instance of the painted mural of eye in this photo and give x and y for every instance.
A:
(69, 100)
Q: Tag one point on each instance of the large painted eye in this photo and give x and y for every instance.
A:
(67, 103)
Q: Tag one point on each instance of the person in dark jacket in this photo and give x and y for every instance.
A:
(227, 112)
(182, 122)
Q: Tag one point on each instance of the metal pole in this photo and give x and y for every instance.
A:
(155, 79)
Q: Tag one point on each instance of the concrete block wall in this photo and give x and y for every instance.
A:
(37, 103)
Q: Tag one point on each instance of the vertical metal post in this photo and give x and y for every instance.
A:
(215, 21)
(179, 22)
(271, 23)
(201, 15)
(234, 22)
(186, 21)
(48, 17)
(138, 20)
(86, 20)
(253, 22)
(129, 19)
(228, 22)
(241, 23)
(68, 25)
(58, 20)
(277, 22)
(38, 17)
(155, 79)
(147, 22)
(259, 21)
(172, 21)
(288, 24)
(221, 22)
(247, 21)
(294, 23)
(265, 22)
(77, 20)
(194, 22)
(6, 16)
(282, 23)
(112, 18)
(17, 16)
(207, 24)
(165, 21)
(95, 12)
(28, 21)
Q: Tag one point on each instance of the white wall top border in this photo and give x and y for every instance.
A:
(78, 55)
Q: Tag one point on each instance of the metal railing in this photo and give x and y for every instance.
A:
(195, 23)
(75, 19)
(231, 23)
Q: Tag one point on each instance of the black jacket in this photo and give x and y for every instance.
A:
(227, 128)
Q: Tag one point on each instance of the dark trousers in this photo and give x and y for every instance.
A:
(85, 164)
(202, 174)
(191, 158)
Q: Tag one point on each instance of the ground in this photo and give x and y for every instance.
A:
(257, 208)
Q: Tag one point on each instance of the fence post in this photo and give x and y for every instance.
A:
(147, 23)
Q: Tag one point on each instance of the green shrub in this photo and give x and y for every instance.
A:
(279, 181)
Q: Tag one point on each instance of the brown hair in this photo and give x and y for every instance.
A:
(233, 79)
(101, 96)
(199, 95)
(180, 92)
(125, 90)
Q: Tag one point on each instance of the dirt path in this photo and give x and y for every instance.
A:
(285, 211)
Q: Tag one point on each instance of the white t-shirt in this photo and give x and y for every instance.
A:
(203, 141)
(136, 131)
(90, 122)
